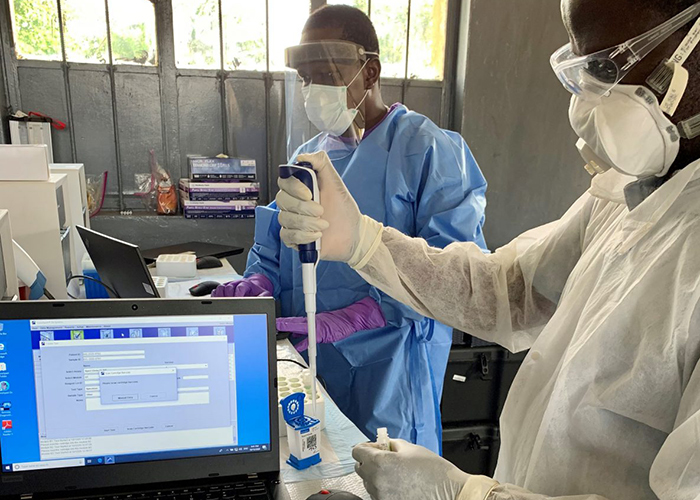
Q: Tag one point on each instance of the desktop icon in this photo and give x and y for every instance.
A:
(7, 425)
(192, 331)
(135, 333)
(6, 406)
(2, 347)
(219, 330)
(77, 335)
(4, 386)
(2, 325)
(106, 334)
(3, 367)
(164, 332)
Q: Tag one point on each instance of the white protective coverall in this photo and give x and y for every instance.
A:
(607, 402)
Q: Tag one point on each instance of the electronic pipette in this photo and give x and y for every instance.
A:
(308, 254)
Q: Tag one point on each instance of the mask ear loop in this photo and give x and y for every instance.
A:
(357, 108)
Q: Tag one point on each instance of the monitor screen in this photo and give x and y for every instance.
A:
(100, 391)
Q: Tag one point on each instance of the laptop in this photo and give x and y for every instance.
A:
(119, 264)
(139, 400)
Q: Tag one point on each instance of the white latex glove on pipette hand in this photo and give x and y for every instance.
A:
(347, 235)
(412, 472)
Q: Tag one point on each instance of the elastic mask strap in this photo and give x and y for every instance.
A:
(670, 77)
(358, 73)
(690, 128)
(366, 91)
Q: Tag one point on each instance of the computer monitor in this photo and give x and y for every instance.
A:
(126, 392)
(8, 274)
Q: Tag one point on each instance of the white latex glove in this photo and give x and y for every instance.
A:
(412, 472)
(347, 235)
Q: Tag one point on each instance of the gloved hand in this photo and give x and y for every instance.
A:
(412, 472)
(256, 285)
(333, 326)
(347, 234)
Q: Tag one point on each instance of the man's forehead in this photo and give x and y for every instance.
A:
(595, 25)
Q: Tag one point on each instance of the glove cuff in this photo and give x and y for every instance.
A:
(370, 238)
(477, 488)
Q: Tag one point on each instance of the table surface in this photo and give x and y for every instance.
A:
(345, 478)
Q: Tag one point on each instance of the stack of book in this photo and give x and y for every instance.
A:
(219, 188)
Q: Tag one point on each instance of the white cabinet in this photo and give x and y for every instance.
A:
(40, 226)
(77, 212)
(8, 273)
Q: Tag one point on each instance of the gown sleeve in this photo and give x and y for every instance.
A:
(506, 297)
(452, 195)
(264, 256)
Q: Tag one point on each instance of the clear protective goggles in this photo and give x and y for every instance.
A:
(593, 76)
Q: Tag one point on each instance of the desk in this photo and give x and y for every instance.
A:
(180, 287)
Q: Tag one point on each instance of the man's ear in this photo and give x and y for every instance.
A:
(372, 72)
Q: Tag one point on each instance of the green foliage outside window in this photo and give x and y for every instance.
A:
(36, 29)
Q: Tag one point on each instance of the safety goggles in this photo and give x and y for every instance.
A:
(593, 76)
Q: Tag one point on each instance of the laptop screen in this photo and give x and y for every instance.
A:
(101, 391)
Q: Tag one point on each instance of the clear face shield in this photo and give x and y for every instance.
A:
(324, 93)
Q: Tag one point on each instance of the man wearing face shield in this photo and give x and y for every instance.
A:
(607, 299)
(383, 363)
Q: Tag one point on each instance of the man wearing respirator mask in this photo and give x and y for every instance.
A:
(383, 363)
(607, 403)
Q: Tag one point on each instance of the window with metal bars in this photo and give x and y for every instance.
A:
(85, 31)
(221, 34)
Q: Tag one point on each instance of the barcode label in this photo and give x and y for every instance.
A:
(310, 444)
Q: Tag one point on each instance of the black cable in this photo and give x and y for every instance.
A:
(294, 361)
(319, 377)
(89, 278)
(48, 295)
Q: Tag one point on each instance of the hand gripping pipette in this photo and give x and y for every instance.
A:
(308, 254)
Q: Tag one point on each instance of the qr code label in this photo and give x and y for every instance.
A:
(310, 444)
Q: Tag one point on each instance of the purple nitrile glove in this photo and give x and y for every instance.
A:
(333, 326)
(256, 285)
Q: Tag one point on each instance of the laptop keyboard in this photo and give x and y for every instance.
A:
(243, 490)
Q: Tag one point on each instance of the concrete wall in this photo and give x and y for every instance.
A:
(512, 111)
(4, 101)
(4, 128)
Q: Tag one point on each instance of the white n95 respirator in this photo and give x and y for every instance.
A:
(627, 130)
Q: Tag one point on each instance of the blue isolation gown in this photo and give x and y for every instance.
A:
(422, 180)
